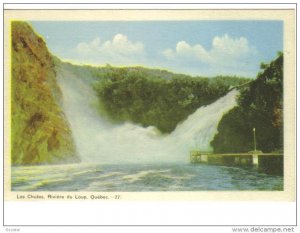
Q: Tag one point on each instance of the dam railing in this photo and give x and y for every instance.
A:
(269, 163)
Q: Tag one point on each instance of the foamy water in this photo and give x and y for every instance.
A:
(101, 142)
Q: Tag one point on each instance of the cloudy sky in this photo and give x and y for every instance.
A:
(205, 48)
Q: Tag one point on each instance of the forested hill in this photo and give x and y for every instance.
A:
(260, 106)
(156, 97)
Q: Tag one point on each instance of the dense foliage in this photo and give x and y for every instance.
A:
(260, 106)
(156, 97)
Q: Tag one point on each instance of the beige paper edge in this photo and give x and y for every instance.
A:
(288, 17)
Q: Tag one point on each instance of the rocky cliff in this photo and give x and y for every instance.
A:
(40, 133)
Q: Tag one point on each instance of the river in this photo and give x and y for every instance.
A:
(140, 178)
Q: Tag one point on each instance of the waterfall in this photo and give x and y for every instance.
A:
(99, 141)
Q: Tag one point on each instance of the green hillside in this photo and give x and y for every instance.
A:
(260, 106)
(40, 133)
(156, 97)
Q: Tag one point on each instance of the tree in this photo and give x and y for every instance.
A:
(260, 106)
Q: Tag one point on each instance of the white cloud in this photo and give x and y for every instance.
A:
(225, 53)
(183, 49)
(117, 50)
(230, 48)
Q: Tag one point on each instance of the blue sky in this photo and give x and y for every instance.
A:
(205, 48)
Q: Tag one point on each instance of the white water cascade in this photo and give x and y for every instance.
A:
(99, 141)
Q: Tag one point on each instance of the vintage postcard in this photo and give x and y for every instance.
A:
(149, 105)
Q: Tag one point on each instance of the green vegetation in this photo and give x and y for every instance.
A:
(39, 131)
(156, 97)
(41, 134)
(260, 106)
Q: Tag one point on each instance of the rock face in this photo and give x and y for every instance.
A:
(40, 133)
